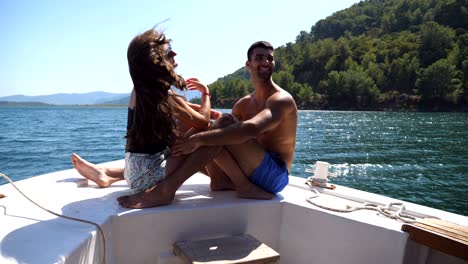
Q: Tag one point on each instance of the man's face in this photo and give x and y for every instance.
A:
(262, 63)
(170, 54)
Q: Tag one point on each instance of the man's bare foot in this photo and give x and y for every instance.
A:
(252, 191)
(92, 172)
(155, 196)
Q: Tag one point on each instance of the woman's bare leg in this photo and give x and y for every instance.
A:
(117, 173)
(103, 177)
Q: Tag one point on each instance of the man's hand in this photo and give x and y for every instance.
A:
(184, 147)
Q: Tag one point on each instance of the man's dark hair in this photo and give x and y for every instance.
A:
(258, 44)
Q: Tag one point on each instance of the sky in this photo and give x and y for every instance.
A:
(80, 46)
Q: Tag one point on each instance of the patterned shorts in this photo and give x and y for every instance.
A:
(143, 171)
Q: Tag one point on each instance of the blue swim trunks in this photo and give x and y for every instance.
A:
(272, 174)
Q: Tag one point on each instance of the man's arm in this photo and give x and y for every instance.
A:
(240, 132)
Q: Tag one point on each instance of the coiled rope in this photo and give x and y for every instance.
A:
(101, 231)
(384, 210)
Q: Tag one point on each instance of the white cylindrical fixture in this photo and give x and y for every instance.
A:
(321, 169)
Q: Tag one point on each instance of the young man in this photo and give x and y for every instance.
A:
(258, 149)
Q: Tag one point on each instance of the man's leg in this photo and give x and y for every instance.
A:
(164, 192)
(103, 177)
(243, 186)
(248, 155)
(219, 180)
(239, 161)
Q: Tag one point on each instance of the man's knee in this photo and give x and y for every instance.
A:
(224, 121)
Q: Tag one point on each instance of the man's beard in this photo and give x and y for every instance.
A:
(264, 75)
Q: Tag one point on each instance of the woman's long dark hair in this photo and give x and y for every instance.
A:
(152, 75)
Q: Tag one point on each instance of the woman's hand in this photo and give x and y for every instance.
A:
(215, 114)
(195, 84)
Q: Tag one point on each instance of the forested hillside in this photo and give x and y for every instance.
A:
(375, 55)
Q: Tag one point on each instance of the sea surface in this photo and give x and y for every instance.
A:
(416, 157)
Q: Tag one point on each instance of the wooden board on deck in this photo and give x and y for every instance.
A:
(441, 235)
(233, 249)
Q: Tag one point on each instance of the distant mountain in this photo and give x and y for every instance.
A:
(121, 101)
(79, 99)
(3, 103)
(69, 99)
(189, 95)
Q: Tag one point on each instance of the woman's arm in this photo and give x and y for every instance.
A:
(213, 113)
(199, 118)
(132, 101)
(205, 106)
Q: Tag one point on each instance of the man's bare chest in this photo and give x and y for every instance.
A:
(246, 115)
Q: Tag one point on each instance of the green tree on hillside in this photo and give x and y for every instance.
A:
(436, 41)
(439, 80)
(377, 54)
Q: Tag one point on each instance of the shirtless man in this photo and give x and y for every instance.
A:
(262, 143)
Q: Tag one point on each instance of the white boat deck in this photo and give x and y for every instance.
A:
(298, 230)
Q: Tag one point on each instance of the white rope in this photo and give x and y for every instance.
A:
(63, 216)
(384, 210)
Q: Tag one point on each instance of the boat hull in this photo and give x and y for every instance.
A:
(298, 230)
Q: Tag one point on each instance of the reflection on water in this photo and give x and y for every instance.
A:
(417, 157)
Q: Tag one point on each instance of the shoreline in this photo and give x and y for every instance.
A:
(397, 110)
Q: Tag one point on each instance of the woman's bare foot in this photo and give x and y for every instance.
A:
(252, 191)
(92, 172)
(155, 196)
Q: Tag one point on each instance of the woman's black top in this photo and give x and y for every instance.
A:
(147, 148)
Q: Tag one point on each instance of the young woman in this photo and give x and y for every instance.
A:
(157, 116)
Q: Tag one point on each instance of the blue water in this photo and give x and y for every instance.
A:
(416, 157)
